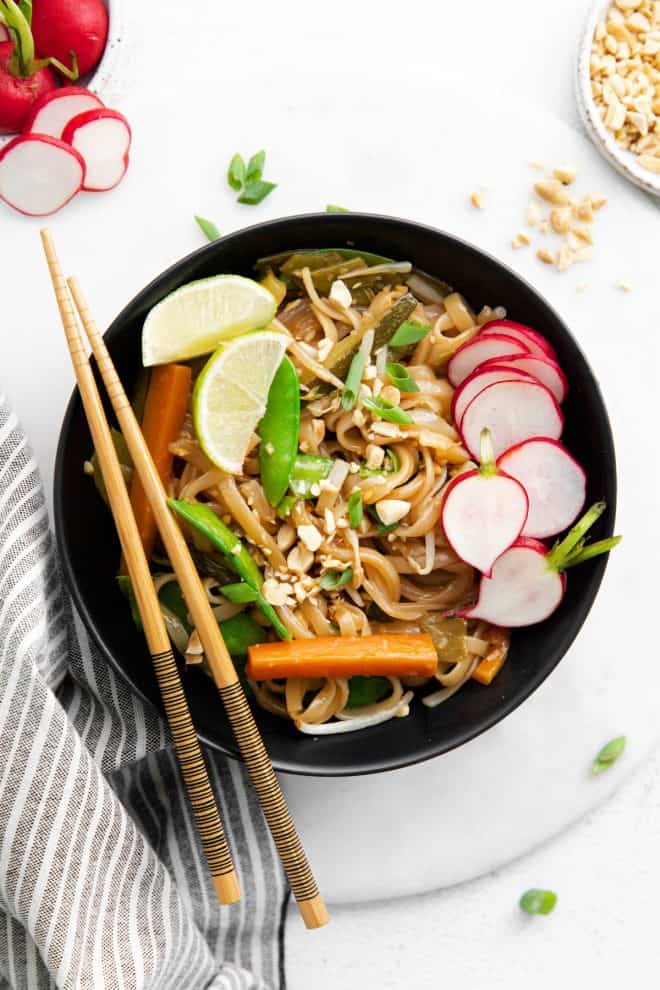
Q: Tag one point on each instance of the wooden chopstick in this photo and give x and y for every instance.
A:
(191, 759)
(259, 767)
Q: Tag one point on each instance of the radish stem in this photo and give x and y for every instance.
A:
(592, 550)
(571, 550)
(487, 466)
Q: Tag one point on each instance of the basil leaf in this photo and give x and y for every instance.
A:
(367, 690)
(333, 580)
(355, 508)
(255, 192)
(409, 332)
(401, 377)
(208, 228)
(538, 901)
(386, 410)
(255, 167)
(332, 208)
(608, 755)
(236, 173)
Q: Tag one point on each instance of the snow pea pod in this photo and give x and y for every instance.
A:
(308, 470)
(279, 430)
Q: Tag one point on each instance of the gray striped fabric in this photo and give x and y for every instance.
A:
(103, 884)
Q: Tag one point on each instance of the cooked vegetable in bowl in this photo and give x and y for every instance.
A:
(365, 510)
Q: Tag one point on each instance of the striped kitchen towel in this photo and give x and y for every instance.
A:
(103, 884)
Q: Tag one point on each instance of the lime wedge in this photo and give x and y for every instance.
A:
(194, 319)
(231, 393)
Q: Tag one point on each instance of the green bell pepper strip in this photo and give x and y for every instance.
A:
(206, 521)
(278, 431)
(367, 690)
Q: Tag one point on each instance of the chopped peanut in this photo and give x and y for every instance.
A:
(553, 191)
(560, 219)
(565, 174)
(477, 201)
(547, 256)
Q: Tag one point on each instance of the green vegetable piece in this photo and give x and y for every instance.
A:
(391, 453)
(206, 521)
(536, 901)
(239, 593)
(608, 755)
(241, 632)
(381, 528)
(353, 379)
(279, 432)
(409, 332)
(236, 173)
(333, 580)
(355, 508)
(308, 470)
(449, 638)
(208, 228)
(285, 506)
(93, 467)
(571, 550)
(386, 410)
(255, 192)
(255, 167)
(367, 690)
(315, 258)
(171, 596)
(333, 208)
(401, 377)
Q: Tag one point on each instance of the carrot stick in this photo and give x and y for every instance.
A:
(344, 656)
(164, 411)
(493, 662)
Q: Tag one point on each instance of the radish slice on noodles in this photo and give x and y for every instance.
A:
(527, 583)
(544, 369)
(513, 412)
(52, 112)
(481, 379)
(483, 511)
(555, 483)
(39, 174)
(469, 356)
(103, 138)
(533, 340)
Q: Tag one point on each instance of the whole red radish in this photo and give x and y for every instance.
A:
(63, 26)
(528, 582)
(483, 511)
(24, 78)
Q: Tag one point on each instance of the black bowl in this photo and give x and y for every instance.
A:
(89, 549)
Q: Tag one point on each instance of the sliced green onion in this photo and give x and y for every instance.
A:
(355, 508)
(332, 580)
(255, 192)
(255, 167)
(308, 470)
(608, 755)
(538, 901)
(381, 529)
(208, 228)
(239, 593)
(285, 505)
(236, 173)
(353, 379)
(386, 410)
(409, 332)
(391, 453)
(401, 377)
(333, 208)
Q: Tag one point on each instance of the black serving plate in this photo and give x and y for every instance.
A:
(89, 548)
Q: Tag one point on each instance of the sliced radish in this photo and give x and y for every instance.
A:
(39, 174)
(534, 341)
(544, 369)
(103, 138)
(52, 112)
(527, 582)
(481, 379)
(4, 33)
(483, 511)
(480, 349)
(513, 412)
(555, 483)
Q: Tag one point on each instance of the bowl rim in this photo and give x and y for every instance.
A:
(467, 732)
(625, 162)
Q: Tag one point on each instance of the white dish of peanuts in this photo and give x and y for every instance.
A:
(618, 87)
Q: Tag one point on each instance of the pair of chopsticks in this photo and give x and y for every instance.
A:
(193, 767)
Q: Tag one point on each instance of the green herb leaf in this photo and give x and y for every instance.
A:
(538, 901)
(367, 690)
(608, 755)
(355, 508)
(401, 377)
(236, 173)
(208, 228)
(333, 208)
(255, 167)
(386, 410)
(353, 379)
(255, 192)
(332, 580)
(239, 593)
(409, 332)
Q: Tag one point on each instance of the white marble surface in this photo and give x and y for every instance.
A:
(480, 88)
